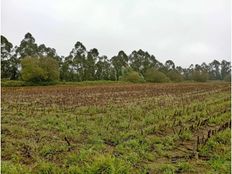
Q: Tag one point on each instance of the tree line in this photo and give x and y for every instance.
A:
(32, 62)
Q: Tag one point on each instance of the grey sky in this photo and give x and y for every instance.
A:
(186, 31)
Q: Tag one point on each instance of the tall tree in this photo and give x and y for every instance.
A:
(214, 70)
(119, 61)
(170, 65)
(6, 49)
(73, 66)
(141, 61)
(44, 51)
(102, 69)
(225, 68)
(27, 47)
(90, 63)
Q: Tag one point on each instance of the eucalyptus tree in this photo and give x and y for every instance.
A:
(225, 69)
(118, 62)
(27, 47)
(214, 70)
(73, 65)
(6, 50)
(103, 69)
(141, 61)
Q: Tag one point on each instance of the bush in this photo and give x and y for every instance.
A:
(132, 76)
(156, 76)
(43, 69)
(200, 76)
(175, 76)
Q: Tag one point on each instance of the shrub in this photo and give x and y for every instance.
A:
(132, 76)
(156, 76)
(200, 76)
(42, 69)
(175, 76)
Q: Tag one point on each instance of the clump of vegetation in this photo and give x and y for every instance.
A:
(46, 168)
(185, 167)
(9, 168)
(175, 76)
(39, 69)
(167, 169)
(200, 76)
(152, 75)
(185, 135)
(132, 76)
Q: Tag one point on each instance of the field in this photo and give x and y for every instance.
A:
(117, 128)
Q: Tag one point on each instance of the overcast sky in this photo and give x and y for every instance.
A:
(186, 31)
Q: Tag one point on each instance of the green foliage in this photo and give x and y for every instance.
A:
(119, 61)
(175, 76)
(141, 61)
(200, 76)
(27, 47)
(9, 62)
(225, 70)
(152, 75)
(31, 71)
(39, 69)
(132, 76)
(84, 65)
(214, 70)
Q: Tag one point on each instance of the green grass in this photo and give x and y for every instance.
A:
(19, 83)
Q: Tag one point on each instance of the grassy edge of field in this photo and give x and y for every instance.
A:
(19, 83)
